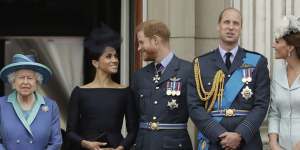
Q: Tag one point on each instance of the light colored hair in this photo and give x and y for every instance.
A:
(12, 76)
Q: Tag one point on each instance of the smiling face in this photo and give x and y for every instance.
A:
(25, 82)
(147, 46)
(230, 27)
(281, 48)
(108, 62)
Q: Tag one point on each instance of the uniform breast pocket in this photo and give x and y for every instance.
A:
(142, 96)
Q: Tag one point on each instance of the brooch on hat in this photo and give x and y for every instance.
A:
(45, 108)
(172, 104)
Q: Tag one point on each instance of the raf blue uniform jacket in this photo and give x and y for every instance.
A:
(246, 126)
(152, 103)
(41, 131)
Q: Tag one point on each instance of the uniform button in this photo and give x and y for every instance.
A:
(179, 145)
(18, 141)
(229, 76)
(141, 96)
(155, 102)
(157, 87)
(154, 118)
(208, 83)
(30, 142)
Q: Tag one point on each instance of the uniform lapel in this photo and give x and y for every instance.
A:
(36, 107)
(170, 71)
(280, 74)
(12, 98)
(219, 61)
(238, 60)
(150, 71)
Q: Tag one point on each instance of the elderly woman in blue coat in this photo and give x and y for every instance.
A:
(28, 120)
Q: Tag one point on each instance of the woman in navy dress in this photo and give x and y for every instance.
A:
(97, 109)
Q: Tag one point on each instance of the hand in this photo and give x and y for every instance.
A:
(230, 140)
(297, 146)
(274, 146)
(120, 148)
(91, 145)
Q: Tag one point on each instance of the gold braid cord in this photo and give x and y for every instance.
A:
(216, 91)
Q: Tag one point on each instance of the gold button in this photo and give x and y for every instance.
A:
(154, 118)
(155, 102)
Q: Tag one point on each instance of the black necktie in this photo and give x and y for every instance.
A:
(227, 61)
(158, 68)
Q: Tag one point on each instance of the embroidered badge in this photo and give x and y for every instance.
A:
(247, 93)
(45, 108)
(245, 66)
(172, 104)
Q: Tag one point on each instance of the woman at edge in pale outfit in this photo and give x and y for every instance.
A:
(284, 112)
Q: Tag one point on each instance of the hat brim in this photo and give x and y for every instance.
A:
(37, 67)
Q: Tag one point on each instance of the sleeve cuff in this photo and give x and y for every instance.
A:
(213, 131)
(273, 126)
(245, 129)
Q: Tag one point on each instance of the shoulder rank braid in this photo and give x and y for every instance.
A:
(216, 91)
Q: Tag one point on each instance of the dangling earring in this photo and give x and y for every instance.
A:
(289, 54)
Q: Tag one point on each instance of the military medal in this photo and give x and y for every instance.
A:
(247, 93)
(244, 79)
(249, 75)
(156, 78)
(247, 78)
(173, 89)
(172, 104)
(169, 92)
(178, 92)
(175, 86)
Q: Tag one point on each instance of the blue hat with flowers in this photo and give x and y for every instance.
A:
(20, 61)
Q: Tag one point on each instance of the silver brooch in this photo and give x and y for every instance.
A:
(45, 108)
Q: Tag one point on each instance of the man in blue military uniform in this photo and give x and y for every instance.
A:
(228, 95)
(160, 91)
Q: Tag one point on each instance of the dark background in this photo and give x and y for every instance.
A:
(57, 18)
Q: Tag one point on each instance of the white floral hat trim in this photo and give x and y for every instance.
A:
(289, 24)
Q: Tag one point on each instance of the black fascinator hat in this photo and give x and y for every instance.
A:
(100, 38)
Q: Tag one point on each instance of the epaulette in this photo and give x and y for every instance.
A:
(203, 55)
(208, 53)
(253, 52)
